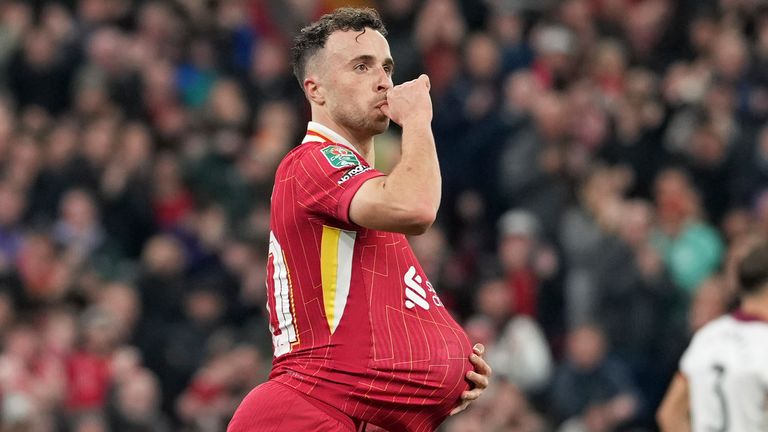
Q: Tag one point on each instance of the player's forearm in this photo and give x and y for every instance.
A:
(415, 181)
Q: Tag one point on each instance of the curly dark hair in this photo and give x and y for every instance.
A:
(313, 37)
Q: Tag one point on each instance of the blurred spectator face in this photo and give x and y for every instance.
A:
(12, 205)
(675, 198)
(248, 365)
(164, 255)
(737, 223)
(519, 231)
(16, 16)
(138, 398)
(398, 8)
(227, 104)
(99, 330)
(429, 246)
(270, 61)
(58, 21)
(237, 256)
(521, 90)
(125, 363)
(35, 120)
(98, 140)
(155, 21)
(233, 13)
(7, 125)
(482, 57)
(610, 60)
(586, 347)
(202, 54)
(78, 210)
(135, 146)
(762, 148)
(709, 302)
(708, 147)
(550, 114)
(703, 34)
(158, 81)
(211, 228)
(636, 222)
(576, 14)
(554, 46)
(106, 49)
(204, 306)
(7, 311)
(481, 330)
(60, 331)
(731, 55)
(507, 27)
(90, 423)
(39, 49)
(166, 176)
(61, 145)
(493, 300)
(24, 163)
(121, 301)
(644, 25)
(21, 342)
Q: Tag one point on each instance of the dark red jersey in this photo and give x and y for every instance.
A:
(355, 323)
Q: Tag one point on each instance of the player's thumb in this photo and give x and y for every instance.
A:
(385, 110)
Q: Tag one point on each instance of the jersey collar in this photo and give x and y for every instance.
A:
(317, 132)
(741, 315)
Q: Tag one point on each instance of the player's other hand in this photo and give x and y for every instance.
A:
(480, 378)
(409, 102)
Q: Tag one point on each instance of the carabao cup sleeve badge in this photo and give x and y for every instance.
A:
(339, 157)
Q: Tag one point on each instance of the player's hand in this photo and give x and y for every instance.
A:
(409, 102)
(480, 378)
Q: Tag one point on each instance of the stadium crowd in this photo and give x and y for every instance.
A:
(602, 160)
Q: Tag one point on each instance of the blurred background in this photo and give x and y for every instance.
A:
(603, 161)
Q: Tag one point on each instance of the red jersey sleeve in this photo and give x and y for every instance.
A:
(328, 176)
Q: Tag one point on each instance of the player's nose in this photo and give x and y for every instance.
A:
(385, 82)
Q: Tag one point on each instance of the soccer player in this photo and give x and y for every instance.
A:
(360, 335)
(723, 382)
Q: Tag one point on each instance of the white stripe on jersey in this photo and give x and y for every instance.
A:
(726, 366)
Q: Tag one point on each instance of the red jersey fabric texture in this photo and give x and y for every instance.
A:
(355, 322)
(274, 407)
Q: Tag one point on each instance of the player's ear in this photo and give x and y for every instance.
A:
(313, 90)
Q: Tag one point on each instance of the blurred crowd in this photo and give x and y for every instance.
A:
(603, 162)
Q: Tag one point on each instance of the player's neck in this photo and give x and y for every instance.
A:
(756, 306)
(363, 143)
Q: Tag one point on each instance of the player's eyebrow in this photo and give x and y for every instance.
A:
(368, 59)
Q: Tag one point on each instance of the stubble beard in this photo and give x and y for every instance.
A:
(355, 120)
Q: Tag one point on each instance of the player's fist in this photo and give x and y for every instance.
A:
(409, 102)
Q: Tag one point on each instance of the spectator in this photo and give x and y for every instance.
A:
(606, 398)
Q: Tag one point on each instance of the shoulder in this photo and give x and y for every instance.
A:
(709, 336)
(326, 156)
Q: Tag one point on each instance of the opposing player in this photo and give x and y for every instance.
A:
(360, 335)
(722, 385)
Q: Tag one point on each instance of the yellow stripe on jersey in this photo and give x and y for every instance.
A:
(336, 248)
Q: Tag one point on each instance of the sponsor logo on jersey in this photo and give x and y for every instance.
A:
(340, 157)
(353, 172)
(415, 294)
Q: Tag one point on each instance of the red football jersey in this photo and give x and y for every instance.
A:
(355, 322)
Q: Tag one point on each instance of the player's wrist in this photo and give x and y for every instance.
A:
(417, 121)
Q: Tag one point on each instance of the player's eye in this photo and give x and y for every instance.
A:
(361, 67)
(388, 69)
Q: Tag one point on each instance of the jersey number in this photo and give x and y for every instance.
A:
(282, 323)
(719, 375)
